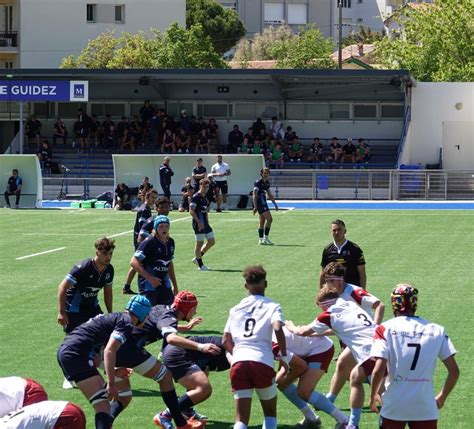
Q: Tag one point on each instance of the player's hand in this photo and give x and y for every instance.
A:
(290, 326)
(112, 391)
(440, 401)
(200, 226)
(154, 281)
(284, 366)
(194, 322)
(63, 319)
(175, 290)
(211, 348)
(276, 207)
(123, 372)
(375, 403)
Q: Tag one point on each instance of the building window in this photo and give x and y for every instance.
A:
(346, 3)
(229, 5)
(273, 13)
(297, 14)
(392, 111)
(339, 111)
(8, 64)
(360, 20)
(365, 111)
(120, 13)
(91, 12)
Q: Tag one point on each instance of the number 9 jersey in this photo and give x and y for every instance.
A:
(250, 324)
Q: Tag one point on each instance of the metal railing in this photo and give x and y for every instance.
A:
(8, 39)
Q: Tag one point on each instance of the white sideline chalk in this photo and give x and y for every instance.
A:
(40, 253)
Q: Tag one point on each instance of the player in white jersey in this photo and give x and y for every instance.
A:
(355, 327)
(248, 336)
(408, 347)
(46, 415)
(333, 274)
(17, 392)
(310, 358)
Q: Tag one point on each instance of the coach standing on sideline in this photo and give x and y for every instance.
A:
(346, 253)
(220, 170)
(165, 177)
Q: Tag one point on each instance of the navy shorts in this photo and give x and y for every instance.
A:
(262, 207)
(76, 319)
(181, 371)
(76, 365)
(207, 229)
(223, 187)
(129, 355)
(162, 295)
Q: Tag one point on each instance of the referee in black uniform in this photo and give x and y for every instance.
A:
(346, 253)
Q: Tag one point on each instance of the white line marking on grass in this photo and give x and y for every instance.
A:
(129, 232)
(75, 210)
(40, 253)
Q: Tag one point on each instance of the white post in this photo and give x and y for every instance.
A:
(22, 130)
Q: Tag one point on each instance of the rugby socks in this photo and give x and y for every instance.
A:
(185, 402)
(321, 402)
(267, 231)
(199, 261)
(116, 408)
(260, 232)
(332, 397)
(355, 416)
(269, 423)
(292, 395)
(171, 401)
(240, 425)
(103, 421)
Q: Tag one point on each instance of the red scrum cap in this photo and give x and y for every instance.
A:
(185, 301)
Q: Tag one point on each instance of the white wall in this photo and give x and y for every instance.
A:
(53, 29)
(432, 104)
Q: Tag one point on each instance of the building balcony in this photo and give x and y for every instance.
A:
(9, 42)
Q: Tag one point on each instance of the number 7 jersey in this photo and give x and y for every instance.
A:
(250, 324)
(411, 346)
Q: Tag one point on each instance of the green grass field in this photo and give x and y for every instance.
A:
(431, 249)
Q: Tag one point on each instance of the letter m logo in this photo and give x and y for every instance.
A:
(79, 91)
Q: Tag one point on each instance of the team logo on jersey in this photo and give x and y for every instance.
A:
(107, 277)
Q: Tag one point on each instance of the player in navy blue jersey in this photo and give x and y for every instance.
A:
(190, 368)
(144, 213)
(74, 355)
(198, 209)
(153, 261)
(261, 191)
(162, 323)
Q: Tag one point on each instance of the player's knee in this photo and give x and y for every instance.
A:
(205, 390)
(304, 393)
(99, 398)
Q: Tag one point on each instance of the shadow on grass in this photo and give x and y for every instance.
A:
(214, 424)
(205, 332)
(226, 271)
(288, 245)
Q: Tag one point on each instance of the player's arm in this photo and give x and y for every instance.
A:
(228, 172)
(321, 278)
(138, 267)
(379, 309)
(255, 199)
(451, 380)
(378, 376)
(62, 292)
(192, 212)
(281, 340)
(304, 330)
(172, 277)
(190, 325)
(272, 199)
(228, 342)
(108, 297)
(178, 341)
(362, 276)
(109, 365)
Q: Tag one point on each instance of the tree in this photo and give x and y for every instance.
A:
(176, 48)
(308, 50)
(435, 43)
(222, 25)
(259, 48)
(364, 35)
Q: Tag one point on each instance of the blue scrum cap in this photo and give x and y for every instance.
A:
(161, 219)
(140, 306)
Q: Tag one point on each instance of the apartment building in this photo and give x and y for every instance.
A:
(39, 33)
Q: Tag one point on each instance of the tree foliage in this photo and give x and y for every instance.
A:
(175, 48)
(309, 50)
(222, 25)
(435, 43)
(364, 35)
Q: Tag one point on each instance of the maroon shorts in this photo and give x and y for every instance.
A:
(72, 417)
(368, 366)
(251, 375)
(396, 424)
(34, 393)
(323, 358)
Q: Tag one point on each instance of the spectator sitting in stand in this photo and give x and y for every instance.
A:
(33, 130)
(144, 187)
(193, 126)
(349, 151)
(95, 132)
(277, 132)
(244, 146)
(110, 138)
(147, 111)
(127, 141)
(295, 150)
(257, 126)
(59, 131)
(185, 122)
(213, 133)
(264, 137)
(235, 139)
(335, 151)
(187, 191)
(182, 141)
(289, 135)
(275, 156)
(136, 129)
(363, 152)
(167, 143)
(316, 151)
(45, 156)
(123, 196)
(250, 136)
(257, 147)
(121, 127)
(203, 142)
